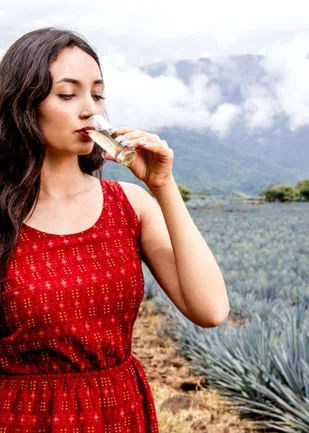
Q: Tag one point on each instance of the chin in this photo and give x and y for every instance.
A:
(86, 150)
(84, 153)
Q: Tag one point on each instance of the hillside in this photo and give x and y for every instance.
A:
(243, 160)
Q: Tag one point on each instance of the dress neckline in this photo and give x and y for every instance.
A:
(34, 230)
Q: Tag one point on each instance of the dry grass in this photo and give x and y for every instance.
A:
(166, 369)
(197, 420)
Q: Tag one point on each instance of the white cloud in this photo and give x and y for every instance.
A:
(286, 90)
(222, 119)
(135, 98)
(149, 31)
(129, 35)
(283, 90)
(260, 108)
(288, 64)
(202, 95)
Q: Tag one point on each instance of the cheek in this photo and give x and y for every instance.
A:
(52, 115)
(52, 122)
(51, 126)
(44, 115)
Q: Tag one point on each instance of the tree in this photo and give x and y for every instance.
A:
(281, 193)
(185, 192)
(303, 187)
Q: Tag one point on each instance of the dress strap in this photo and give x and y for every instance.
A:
(117, 198)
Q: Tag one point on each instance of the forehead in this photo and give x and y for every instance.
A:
(72, 61)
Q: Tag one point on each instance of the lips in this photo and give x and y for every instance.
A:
(86, 128)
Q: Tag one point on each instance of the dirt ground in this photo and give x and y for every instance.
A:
(183, 401)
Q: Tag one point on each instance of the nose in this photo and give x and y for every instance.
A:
(89, 108)
(86, 114)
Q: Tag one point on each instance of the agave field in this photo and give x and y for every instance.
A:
(258, 359)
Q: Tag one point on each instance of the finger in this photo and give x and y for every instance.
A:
(155, 137)
(135, 133)
(109, 157)
(141, 135)
(161, 148)
(144, 141)
(134, 142)
(122, 130)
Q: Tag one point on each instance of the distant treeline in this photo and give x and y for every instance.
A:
(287, 193)
(273, 193)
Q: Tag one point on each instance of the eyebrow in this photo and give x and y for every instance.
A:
(74, 81)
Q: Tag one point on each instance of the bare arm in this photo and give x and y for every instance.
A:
(179, 258)
(173, 247)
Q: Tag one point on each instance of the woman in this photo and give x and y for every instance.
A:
(71, 249)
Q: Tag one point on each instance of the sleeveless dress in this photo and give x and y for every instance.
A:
(67, 309)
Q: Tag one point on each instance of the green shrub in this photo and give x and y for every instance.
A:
(281, 193)
(185, 192)
(303, 187)
(262, 363)
(260, 370)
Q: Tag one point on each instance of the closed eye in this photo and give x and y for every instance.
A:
(98, 97)
(65, 96)
(68, 97)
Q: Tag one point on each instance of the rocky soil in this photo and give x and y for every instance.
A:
(184, 402)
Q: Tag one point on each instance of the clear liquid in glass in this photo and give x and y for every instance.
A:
(102, 135)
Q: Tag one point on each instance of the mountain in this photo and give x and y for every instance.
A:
(241, 160)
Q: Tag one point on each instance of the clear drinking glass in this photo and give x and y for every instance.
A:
(102, 135)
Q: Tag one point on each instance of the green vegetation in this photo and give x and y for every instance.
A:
(205, 163)
(287, 193)
(259, 358)
(185, 192)
(303, 187)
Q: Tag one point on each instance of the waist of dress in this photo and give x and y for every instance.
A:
(116, 369)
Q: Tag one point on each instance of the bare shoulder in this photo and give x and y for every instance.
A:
(139, 198)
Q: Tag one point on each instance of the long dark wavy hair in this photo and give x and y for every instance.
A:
(25, 81)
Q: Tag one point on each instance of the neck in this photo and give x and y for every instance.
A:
(62, 179)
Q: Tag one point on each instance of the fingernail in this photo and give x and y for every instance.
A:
(120, 138)
(125, 143)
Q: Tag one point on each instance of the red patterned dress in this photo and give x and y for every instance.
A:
(67, 309)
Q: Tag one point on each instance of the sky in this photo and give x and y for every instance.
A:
(129, 35)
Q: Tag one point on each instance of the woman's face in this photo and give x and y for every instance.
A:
(76, 94)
